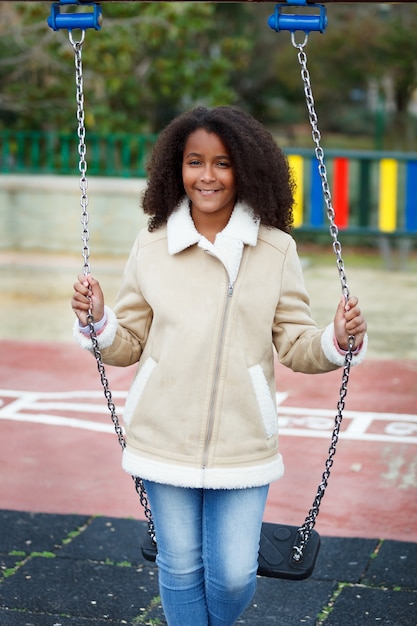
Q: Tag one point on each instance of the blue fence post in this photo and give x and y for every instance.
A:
(316, 196)
(410, 222)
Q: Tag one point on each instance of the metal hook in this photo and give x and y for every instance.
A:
(299, 46)
(76, 44)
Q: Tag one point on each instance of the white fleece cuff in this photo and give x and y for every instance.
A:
(333, 355)
(106, 336)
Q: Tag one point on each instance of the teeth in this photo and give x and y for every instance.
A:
(207, 192)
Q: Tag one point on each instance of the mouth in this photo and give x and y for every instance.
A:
(208, 192)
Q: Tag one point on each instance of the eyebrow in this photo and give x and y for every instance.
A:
(197, 154)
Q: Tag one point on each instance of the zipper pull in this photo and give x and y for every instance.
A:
(230, 290)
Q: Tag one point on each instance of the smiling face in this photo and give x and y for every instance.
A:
(209, 180)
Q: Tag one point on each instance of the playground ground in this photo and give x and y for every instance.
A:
(52, 395)
(60, 463)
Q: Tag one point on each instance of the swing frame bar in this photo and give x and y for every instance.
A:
(293, 2)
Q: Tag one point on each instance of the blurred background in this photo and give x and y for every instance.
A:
(152, 61)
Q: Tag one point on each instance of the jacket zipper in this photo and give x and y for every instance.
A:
(215, 386)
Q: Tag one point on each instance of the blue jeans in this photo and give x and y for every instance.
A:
(208, 542)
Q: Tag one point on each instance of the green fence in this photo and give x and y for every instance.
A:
(373, 192)
(35, 152)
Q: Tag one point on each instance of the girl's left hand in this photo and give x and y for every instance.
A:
(349, 321)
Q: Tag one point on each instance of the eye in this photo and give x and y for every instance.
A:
(194, 162)
(224, 164)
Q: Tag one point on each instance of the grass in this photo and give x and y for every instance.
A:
(144, 617)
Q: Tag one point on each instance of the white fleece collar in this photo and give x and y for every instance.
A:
(182, 233)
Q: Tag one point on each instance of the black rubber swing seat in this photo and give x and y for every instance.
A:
(275, 554)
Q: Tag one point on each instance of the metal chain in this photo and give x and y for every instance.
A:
(305, 75)
(82, 150)
(309, 523)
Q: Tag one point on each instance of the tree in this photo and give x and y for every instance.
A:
(150, 61)
(398, 43)
(153, 60)
(372, 44)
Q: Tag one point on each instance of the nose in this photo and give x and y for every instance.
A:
(208, 174)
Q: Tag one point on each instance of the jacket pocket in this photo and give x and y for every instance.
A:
(137, 389)
(265, 401)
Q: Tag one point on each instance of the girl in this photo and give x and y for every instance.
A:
(210, 288)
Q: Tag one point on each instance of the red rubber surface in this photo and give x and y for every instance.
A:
(59, 468)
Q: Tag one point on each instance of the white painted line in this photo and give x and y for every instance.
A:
(291, 410)
(56, 395)
(56, 420)
(356, 425)
(29, 406)
(292, 432)
(77, 407)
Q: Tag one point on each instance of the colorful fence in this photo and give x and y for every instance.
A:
(372, 192)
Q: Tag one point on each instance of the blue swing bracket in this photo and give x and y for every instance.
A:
(301, 22)
(71, 21)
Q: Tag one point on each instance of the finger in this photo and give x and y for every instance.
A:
(351, 303)
(352, 311)
(358, 331)
(82, 285)
(94, 288)
(354, 316)
(86, 283)
(80, 289)
(84, 279)
(341, 307)
(81, 295)
(80, 306)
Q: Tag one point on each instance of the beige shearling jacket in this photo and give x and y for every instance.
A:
(201, 321)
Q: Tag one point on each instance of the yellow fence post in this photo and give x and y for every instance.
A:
(295, 162)
(387, 209)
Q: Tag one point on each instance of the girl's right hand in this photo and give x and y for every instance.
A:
(87, 294)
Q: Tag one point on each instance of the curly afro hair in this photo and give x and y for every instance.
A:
(263, 178)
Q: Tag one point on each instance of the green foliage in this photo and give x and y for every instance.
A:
(152, 60)
(365, 72)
